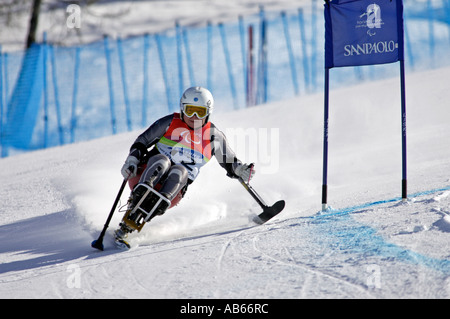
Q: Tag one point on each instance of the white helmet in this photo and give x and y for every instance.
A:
(197, 96)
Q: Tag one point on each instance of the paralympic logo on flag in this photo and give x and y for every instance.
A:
(363, 32)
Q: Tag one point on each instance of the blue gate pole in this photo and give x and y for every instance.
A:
(229, 66)
(110, 85)
(290, 52)
(73, 120)
(403, 101)
(56, 94)
(124, 83)
(145, 82)
(325, 141)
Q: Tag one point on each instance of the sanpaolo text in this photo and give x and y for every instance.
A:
(370, 48)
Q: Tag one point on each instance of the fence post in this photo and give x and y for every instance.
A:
(209, 58)
(250, 69)
(313, 44)
(290, 52)
(124, 83)
(2, 144)
(179, 58)
(145, 82)
(408, 45)
(163, 68)
(110, 84)
(431, 30)
(6, 78)
(73, 120)
(188, 57)
(45, 88)
(229, 66)
(447, 16)
(262, 63)
(242, 38)
(301, 22)
(56, 94)
(4, 100)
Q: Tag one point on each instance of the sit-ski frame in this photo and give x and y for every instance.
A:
(143, 215)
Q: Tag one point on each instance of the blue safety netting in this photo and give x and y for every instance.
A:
(52, 95)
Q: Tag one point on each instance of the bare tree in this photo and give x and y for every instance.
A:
(33, 23)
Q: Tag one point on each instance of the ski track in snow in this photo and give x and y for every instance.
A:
(247, 254)
(314, 270)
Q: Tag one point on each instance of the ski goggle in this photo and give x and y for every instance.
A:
(190, 110)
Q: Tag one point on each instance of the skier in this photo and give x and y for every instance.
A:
(166, 158)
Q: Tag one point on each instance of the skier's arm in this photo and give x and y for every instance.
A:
(141, 145)
(227, 158)
(150, 136)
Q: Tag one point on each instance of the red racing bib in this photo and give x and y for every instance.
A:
(183, 145)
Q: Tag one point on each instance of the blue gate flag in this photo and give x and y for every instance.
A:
(363, 32)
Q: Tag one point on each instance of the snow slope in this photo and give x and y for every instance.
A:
(371, 245)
